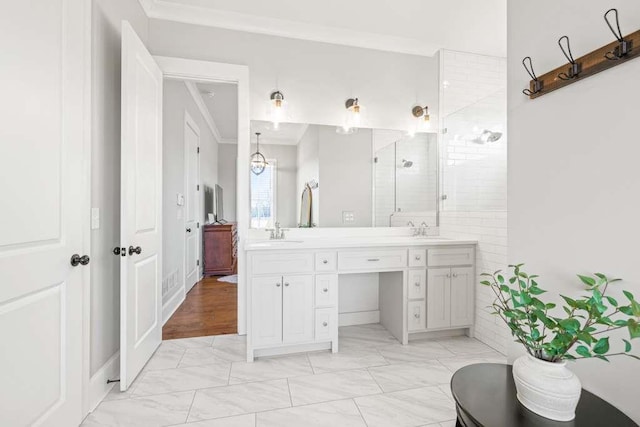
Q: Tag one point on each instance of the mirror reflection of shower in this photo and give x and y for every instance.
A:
(406, 163)
(487, 136)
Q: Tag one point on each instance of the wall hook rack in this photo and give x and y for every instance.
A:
(537, 83)
(623, 49)
(624, 46)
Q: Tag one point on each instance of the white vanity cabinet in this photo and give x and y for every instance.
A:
(293, 291)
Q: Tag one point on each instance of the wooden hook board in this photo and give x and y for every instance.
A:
(592, 63)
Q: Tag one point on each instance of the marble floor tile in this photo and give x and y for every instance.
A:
(199, 356)
(332, 386)
(345, 359)
(270, 369)
(363, 336)
(229, 339)
(405, 376)
(181, 379)
(239, 399)
(192, 342)
(247, 420)
(151, 411)
(464, 345)
(116, 394)
(167, 356)
(413, 352)
(457, 362)
(450, 423)
(407, 408)
(343, 413)
(231, 352)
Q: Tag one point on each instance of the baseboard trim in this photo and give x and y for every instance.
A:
(98, 387)
(172, 305)
(359, 318)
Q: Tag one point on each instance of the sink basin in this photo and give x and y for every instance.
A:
(273, 242)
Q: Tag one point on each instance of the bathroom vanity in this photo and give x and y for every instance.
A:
(426, 285)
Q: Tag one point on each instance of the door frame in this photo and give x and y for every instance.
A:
(190, 122)
(215, 72)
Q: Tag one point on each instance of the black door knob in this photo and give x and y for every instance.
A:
(188, 230)
(136, 250)
(79, 260)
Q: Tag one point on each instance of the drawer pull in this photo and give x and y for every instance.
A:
(418, 257)
(455, 274)
(324, 323)
(417, 284)
(286, 284)
(373, 259)
(417, 315)
(324, 261)
(325, 290)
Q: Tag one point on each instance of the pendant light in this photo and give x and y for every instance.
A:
(353, 117)
(258, 162)
(277, 108)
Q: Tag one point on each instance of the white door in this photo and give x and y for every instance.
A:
(141, 207)
(297, 309)
(192, 202)
(44, 147)
(266, 310)
(462, 296)
(438, 298)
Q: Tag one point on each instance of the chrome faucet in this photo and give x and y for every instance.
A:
(277, 233)
(414, 230)
(423, 228)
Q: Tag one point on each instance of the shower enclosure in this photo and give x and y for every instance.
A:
(406, 181)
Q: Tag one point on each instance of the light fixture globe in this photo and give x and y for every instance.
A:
(258, 162)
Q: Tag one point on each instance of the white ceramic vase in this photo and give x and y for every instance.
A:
(549, 389)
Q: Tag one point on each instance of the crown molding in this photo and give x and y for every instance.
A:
(172, 11)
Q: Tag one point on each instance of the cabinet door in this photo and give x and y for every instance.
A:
(266, 310)
(462, 296)
(297, 309)
(438, 298)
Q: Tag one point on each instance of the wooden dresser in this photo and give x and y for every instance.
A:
(220, 249)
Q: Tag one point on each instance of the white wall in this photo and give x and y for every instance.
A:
(227, 158)
(316, 78)
(309, 169)
(475, 176)
(177, 100)
(105, 172)
(573, 170)
(345, 175)
(286, 191)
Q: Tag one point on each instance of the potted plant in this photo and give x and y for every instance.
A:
(581, 330)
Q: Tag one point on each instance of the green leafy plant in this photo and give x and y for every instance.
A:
(582, 333)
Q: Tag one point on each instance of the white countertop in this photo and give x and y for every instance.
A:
(353, 242)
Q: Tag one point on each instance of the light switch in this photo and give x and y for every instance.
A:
(95, 218)
(180, 199)
(348, 216)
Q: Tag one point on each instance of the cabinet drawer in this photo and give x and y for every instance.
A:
(326, 290)
(326, 323)
(282, 263)
(450, 256)
(372, 260)
(417, 316)
(417, 258)
(417, 284)
(326, 261)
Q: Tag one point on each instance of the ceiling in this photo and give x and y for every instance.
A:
(223, 108)
(419, 27)
(285, 134)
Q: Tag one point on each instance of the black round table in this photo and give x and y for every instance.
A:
(485, 396)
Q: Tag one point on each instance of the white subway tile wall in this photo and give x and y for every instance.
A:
(474, 172)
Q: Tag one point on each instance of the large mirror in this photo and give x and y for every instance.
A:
(318, 177)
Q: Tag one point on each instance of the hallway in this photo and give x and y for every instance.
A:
(210, 308)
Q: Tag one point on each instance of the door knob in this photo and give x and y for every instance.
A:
(188, 230)
(286, 284)
(136, 250)
(79, 260)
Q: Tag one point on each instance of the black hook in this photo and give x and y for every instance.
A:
(575, 68)
(537, 84)
(624, 46)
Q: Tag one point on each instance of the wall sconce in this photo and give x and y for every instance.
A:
(353, 117)
(277, 108)
(258, 162)
(422, 122)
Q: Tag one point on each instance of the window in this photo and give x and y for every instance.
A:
(263, 197)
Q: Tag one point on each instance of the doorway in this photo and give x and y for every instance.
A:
(199, 288)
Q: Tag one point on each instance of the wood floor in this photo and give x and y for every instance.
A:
(209, 309)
